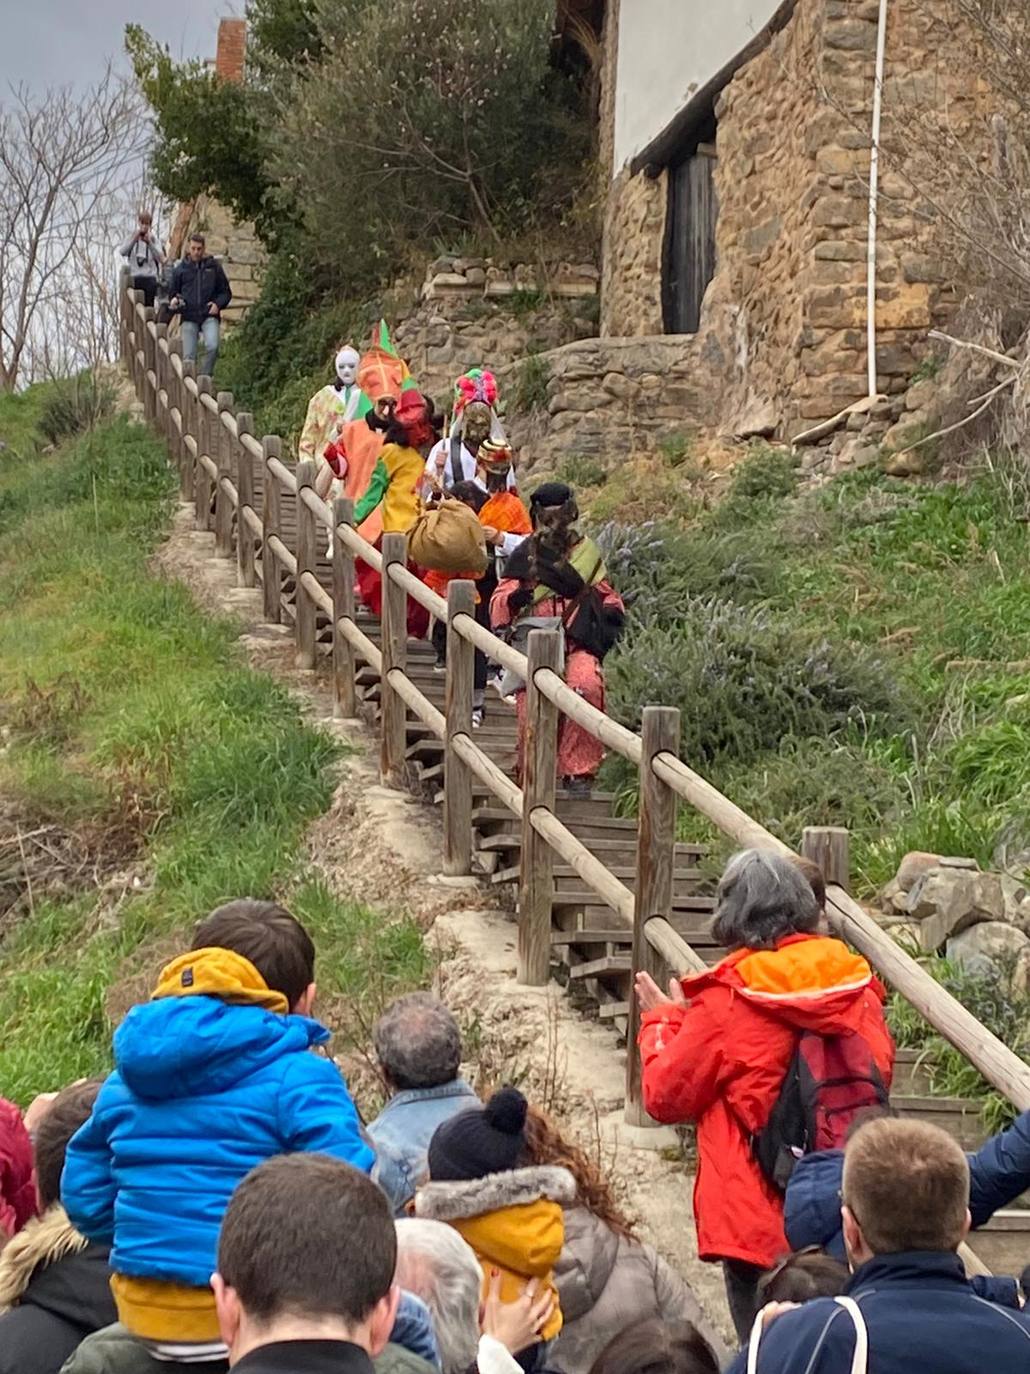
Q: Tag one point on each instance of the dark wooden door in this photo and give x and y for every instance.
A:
(690, 239)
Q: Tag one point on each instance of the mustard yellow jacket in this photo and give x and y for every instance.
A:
(514, 1223)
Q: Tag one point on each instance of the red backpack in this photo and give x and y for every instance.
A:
(831, 1080)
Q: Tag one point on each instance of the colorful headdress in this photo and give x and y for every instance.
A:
(475, 385)
(382, 371)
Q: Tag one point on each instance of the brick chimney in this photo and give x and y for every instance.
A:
(232, 49)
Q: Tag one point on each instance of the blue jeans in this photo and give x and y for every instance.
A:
(209, 331)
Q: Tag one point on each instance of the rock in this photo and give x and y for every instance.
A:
(891, 898)
(464, 265)
(445, 263)
(902, 464)
(912, 867)
(756, 420)
(947, 900)
(859, 454)
(1017, 902)
(475, 276)
(993, 950)
(921, 395)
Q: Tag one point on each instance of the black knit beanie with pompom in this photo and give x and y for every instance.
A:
(481, 1140)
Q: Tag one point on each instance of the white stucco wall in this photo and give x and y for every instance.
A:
(668, 50)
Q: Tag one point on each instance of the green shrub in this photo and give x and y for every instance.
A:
(657, 568)
(75, 405)
(579, 470)
(1005, 1013)
(530, 390)
(744, 680)
(758, 486)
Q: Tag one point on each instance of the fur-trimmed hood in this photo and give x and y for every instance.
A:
(42, 1241)
(454, 1201)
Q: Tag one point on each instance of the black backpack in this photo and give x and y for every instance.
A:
(832, 1079)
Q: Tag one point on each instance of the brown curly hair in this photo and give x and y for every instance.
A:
(545, 1144)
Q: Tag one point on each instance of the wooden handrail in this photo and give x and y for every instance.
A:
(186, 407)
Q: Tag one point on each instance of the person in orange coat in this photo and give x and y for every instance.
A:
(718, 1049)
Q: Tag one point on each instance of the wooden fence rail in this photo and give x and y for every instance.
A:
(219, 457)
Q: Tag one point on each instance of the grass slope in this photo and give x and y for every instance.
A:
(130, 723)
(855, 655)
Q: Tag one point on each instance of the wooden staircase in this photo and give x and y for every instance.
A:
(590, 941)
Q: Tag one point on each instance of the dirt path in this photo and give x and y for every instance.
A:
(380, 846)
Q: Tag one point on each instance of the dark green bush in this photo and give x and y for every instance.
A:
(658, 568)
(744, 680)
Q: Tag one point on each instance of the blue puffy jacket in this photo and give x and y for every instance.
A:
(203, 1091)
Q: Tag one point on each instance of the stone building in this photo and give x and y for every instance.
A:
(235, 245)
(736, 149)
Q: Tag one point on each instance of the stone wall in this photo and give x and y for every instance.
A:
(608, 399)
(440, 338)
(787, 305)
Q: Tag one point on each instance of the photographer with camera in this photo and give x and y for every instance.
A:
(144, 256)
(557, 578)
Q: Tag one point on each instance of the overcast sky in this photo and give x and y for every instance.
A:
(56, 42)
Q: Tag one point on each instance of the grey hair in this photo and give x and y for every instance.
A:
(417, 1042)
(761, 898)
(438, 1266)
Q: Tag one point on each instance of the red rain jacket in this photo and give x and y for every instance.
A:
(17, 1182)
(721, 1061)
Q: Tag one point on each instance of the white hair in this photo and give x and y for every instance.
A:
(438, 1266)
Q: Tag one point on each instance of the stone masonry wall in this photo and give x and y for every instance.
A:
(786, 311)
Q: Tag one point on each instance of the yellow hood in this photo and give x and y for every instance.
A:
(220, 973)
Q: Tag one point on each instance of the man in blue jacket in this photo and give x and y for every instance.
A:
(199, 290)
(215, 1074)
(998, 1173)
(908, 1305)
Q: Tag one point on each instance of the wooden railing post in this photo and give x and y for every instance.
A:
(345, 664)
(829, 846)
(176, 402)
(245, 490)
(307, 560)
(206, 432)
(164, 414)
(149, 365)
(124, 306)
(190, 426)
(222, 456)
(395, 655)
(457, 784)
(536, 873)
(271, 522)
(656, 849)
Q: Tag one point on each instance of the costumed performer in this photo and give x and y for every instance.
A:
(558, 572)
(331, 406)
(475, 420)
(395, 486)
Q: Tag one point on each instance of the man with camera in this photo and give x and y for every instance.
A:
(144, 256)
(199, 292)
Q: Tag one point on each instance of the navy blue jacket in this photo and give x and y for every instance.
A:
(198, 284)
(920, 1314)
(998, 1173)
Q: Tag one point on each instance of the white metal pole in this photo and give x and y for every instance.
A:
(874, 188)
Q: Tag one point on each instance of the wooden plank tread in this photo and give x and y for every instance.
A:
(598, 968)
